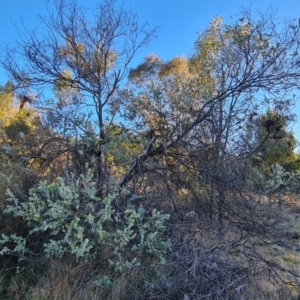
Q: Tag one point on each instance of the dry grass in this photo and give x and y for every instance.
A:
(259, 267)
(14, 285)
(2, 283)
(65, 281)
(292, 261)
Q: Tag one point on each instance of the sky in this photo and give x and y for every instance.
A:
(179, 22)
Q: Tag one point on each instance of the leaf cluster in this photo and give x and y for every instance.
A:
(72, 221)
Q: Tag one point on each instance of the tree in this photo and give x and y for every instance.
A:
(275, 142)
(19, 127)
(197, 130)
(234, 73)
(83, 56)
(23, 133)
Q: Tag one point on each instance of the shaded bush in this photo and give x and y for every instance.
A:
(66, 218)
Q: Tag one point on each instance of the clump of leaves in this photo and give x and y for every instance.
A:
(71, 220)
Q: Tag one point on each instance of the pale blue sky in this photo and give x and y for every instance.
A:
(179, 21)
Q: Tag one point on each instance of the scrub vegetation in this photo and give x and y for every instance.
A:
(168, 180)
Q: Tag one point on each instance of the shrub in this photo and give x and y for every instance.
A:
(69, 219)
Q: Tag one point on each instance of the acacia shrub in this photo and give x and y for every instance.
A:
(69, 220)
